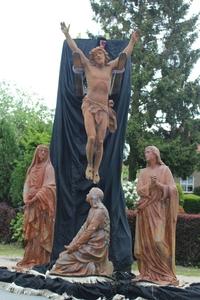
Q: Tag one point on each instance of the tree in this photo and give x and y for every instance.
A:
(8, 153)
(24, 123)
(164, 101)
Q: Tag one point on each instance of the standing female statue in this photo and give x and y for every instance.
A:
(40, 198)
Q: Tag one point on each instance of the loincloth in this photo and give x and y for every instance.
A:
(100, 112)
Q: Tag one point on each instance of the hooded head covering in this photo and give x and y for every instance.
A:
(35, 156)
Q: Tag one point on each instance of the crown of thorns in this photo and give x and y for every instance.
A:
(96, 49)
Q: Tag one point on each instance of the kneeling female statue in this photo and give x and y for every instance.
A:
(87, 254)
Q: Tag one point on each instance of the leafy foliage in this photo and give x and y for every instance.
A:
(180, 194)
(8, 153)
(7, 213)
(191, 204)
(24, 123)
(188, 240)
(165, 102)
(16, 227)
(197, 190)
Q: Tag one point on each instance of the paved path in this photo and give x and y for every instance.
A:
(9, 296)
(10, 262)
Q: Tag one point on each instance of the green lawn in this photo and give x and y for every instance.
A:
(186, 271)
(189, 271)
(11, 250)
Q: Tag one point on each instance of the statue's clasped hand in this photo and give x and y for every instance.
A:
(153, 180)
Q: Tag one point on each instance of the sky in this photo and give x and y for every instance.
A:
(31, 41)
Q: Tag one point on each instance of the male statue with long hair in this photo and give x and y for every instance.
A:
(96, 106)
(156, 221)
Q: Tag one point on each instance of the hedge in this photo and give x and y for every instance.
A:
(191, 204)
(7, 213)
(187, 238)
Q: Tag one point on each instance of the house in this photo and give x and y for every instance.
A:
(190, 182)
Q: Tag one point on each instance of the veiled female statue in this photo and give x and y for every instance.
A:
(39, 196)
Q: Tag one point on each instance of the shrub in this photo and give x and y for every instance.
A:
(17, 179)
(197, 190)
(130, 194)
(187, 238)
(191, 203)
(180, 194)
(16, 227)
(7, 213)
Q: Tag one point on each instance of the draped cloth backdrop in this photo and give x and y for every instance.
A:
(69, 160)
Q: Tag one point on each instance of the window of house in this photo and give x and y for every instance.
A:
(187, 184)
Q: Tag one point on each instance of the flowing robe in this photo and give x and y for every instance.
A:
(156, 226)
(39, 216)
(92, 242)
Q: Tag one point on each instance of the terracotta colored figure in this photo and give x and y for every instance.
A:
(40, 198)
(95, 107)
(156, 221)
(87, 254)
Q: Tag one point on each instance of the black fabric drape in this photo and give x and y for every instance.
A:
(103, 290)
(69, 160)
